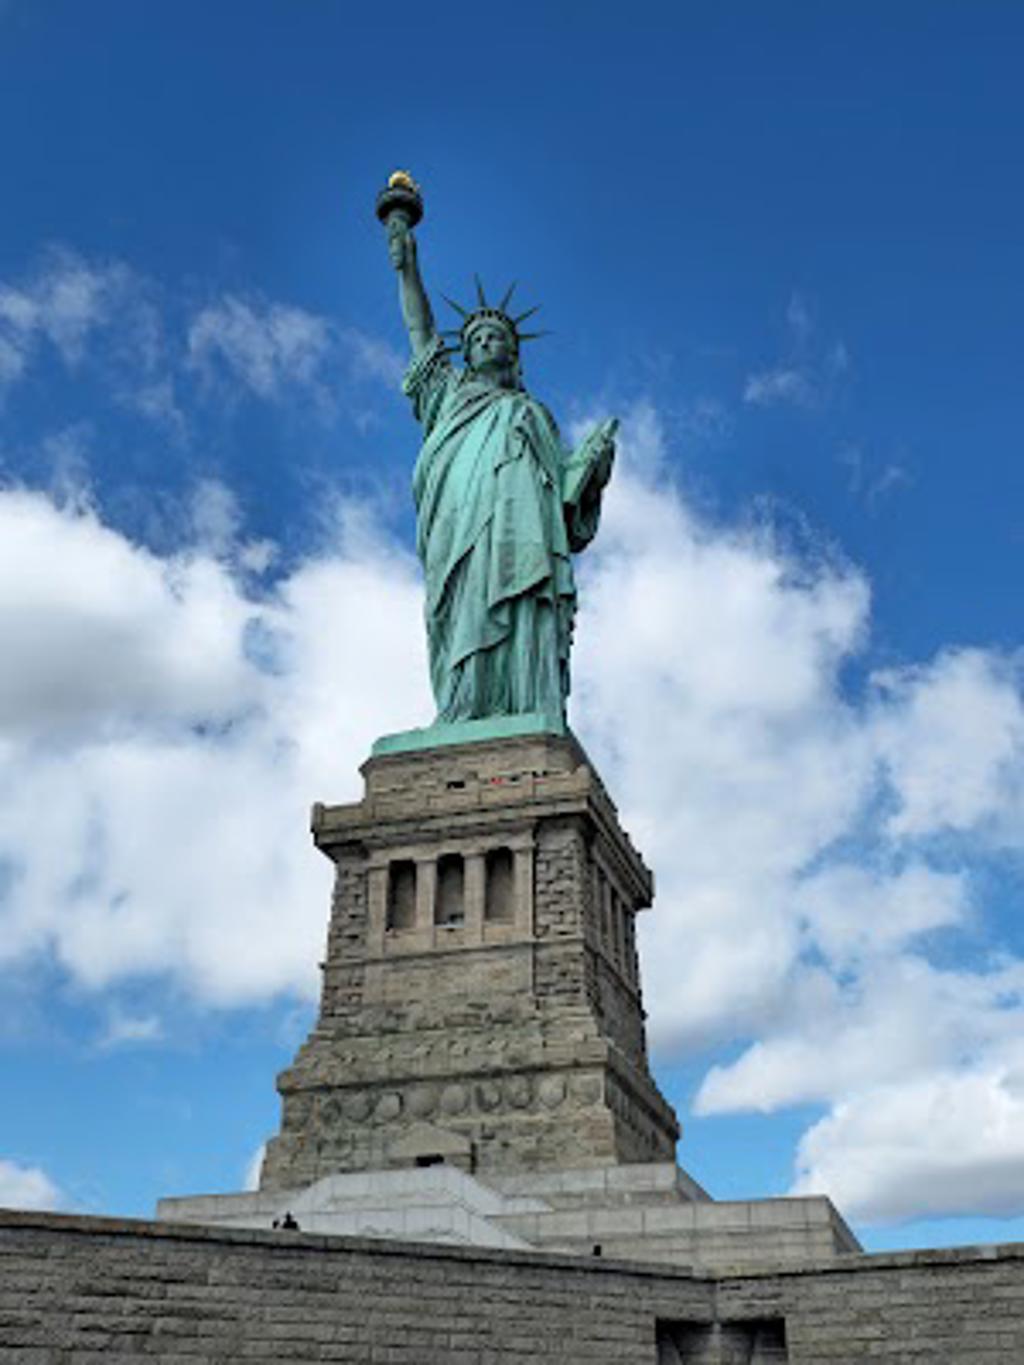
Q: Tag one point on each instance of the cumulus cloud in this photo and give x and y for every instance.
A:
(951, 735)
(817, 849)
(100, 632)
(899, 1019)
(936, 1143)
(171, 727)
(27, 1187)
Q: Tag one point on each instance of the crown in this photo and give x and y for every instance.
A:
(488, 312)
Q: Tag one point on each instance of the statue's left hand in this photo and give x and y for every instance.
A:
(609, 430)
(604, 443)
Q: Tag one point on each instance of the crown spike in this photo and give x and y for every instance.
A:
(503, 305)
(528, 314)
(462, 312)
(532, 336)
(480, 296)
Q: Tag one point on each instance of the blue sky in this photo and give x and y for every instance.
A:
(782, 243)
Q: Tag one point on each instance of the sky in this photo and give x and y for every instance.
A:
(780, 242)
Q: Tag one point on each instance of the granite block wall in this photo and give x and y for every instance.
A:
(79, 1291)
(88, 1291)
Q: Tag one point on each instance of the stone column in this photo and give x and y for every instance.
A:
(426, 890)
(376, 904)
(522, 889)
(474, 891)
(607, 935)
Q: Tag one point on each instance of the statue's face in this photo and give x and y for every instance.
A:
(490, 350)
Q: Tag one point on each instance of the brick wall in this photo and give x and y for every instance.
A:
(86, 1291)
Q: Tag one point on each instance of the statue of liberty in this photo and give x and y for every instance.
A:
(501, 503)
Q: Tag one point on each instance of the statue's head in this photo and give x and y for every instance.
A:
(490, 345)
(490, 338)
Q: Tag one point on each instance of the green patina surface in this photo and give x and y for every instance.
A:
(471, 732)
(502, 505)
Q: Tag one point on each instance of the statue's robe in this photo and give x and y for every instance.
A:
(494, 534)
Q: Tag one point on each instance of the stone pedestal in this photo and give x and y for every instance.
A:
(481, 1000)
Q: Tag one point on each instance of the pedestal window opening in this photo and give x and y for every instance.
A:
(401, 913)
(449, 901)
(499, 892)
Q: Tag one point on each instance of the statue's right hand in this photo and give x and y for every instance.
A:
(400, 242)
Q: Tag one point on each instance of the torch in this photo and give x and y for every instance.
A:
(400, 204)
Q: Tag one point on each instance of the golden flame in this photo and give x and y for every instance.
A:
(401, 180)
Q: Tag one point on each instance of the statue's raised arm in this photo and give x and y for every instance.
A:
(400, 208)
(501, 506)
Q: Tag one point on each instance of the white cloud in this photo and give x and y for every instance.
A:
(171, 729)
(122, 1028)
(65, 300)
(783, 385)
(893, 476)
(896, 1019)
(268, 347)
(251, 1175)
(98, 631)
(870, 483)
(372, 358)
(951, 734)
(156, 398)
(100, 314)
(215, 516)
(256, 556)
(810, 371)
(277, 351)
(799, 319)
(27, 1187)
(852, 912)
(73, 299)
(13, 359)
(70, 478)
(109, 322)
(939, 1144)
